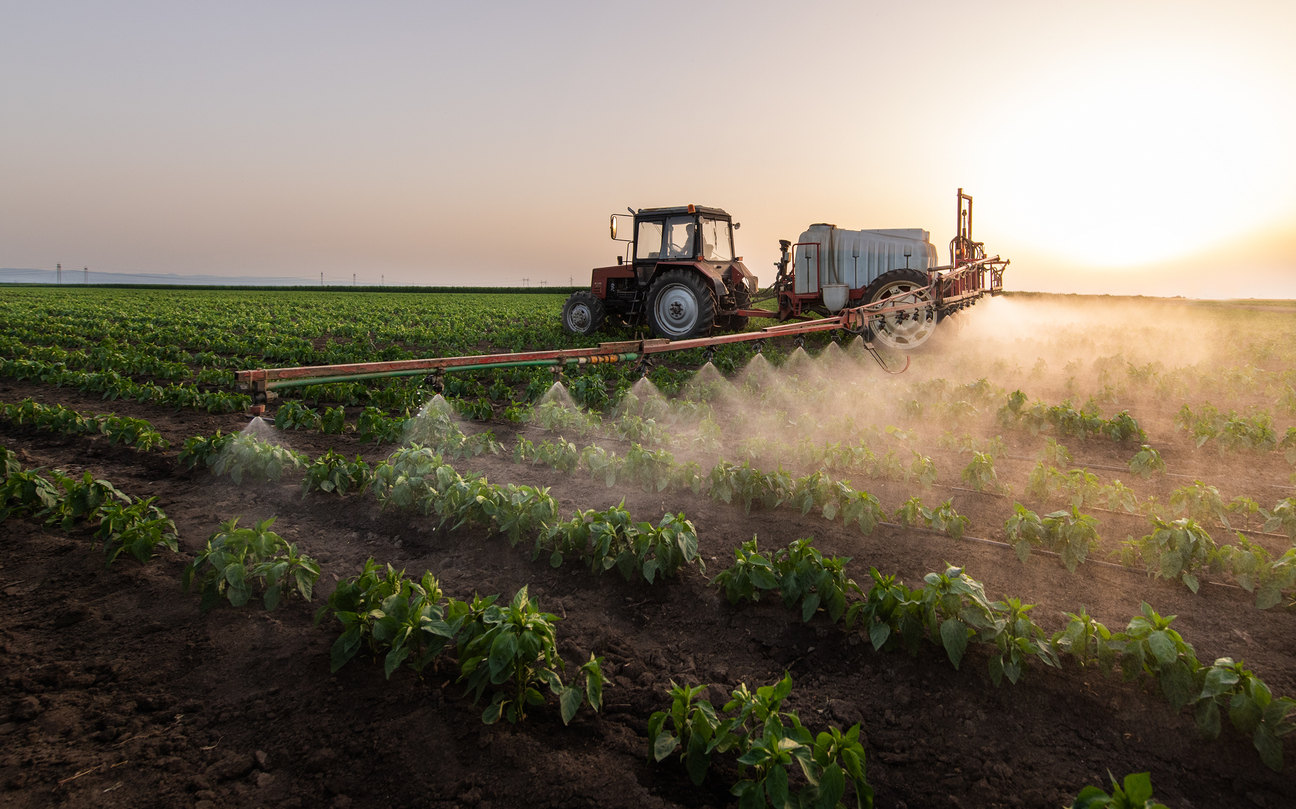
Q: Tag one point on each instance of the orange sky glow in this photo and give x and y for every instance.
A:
(1131, 148)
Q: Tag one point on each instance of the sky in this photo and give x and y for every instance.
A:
(1121, 147)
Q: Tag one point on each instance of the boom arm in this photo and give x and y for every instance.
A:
(948, 286)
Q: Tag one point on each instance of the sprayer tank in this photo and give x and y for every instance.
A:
(826, 254)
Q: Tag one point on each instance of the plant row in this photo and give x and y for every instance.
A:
(1086, 422)
(953, 611)
(119, 522)
(1174, 549)
(113, 385)
(1232, 432)
(1179, 550)
(415, 477)
(136, 433)
(510, 650)
(125, 360)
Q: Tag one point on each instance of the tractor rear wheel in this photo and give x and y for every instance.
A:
(910, 328)
(680, 306)
(583, 313)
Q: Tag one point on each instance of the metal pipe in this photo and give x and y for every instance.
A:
(273, 384)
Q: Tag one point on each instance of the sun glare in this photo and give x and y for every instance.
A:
(1141, 160)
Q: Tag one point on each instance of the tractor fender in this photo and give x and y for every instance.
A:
(714, 275)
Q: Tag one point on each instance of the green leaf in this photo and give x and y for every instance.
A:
(344, 648)
(878, 634)
(1269, 595)
(996, 669)
(776, 786)
(1208, 719)
(832, 787)
(1177, 684)
(502, 652)
(1163, 647)
(394, 658)
(1220, 679)
(954, 636)
(664, 746)
(1138, 788)
(1244, 713)
(696, 759)
(238, 595)
(808, 607)
(570, 702)
(1270, 747)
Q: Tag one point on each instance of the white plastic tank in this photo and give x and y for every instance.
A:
(835, 296)
(825, 254)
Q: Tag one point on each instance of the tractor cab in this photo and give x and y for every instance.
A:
(679, 234)
(678, 274)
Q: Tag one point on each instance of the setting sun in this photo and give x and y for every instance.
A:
(1143, 157)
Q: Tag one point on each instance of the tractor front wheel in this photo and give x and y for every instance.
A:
(583, 313)
(680, 306)
(907, 328)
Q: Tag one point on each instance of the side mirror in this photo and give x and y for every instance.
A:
(612, 227)
(737, 225)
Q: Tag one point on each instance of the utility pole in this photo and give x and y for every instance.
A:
(85, 275)
(321, 279)
(58, 273)
(352, 279)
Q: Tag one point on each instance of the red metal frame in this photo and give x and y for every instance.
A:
(790, 302)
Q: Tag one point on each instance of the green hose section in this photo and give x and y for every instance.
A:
(274, 384)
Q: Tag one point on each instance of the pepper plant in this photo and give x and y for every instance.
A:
(516, 647)
(768, 741)
(980, 474)
(333, 473)
(1174, 550)
(1136, 793)
(138, 528)
(234, 558)
(1147, 462)
(401, 619)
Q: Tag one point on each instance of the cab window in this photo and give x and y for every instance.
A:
(648, 241)
(716, 242)
(680, 237)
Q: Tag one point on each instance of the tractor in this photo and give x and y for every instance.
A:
(679, 274)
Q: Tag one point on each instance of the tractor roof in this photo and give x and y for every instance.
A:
(683, 209)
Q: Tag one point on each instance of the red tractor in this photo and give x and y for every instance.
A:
(679, 274)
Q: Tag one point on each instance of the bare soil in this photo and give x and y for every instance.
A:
(119, 692)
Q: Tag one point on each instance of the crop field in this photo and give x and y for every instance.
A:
(1062, 545)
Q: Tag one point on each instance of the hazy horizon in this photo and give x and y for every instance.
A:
(1110, 147)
